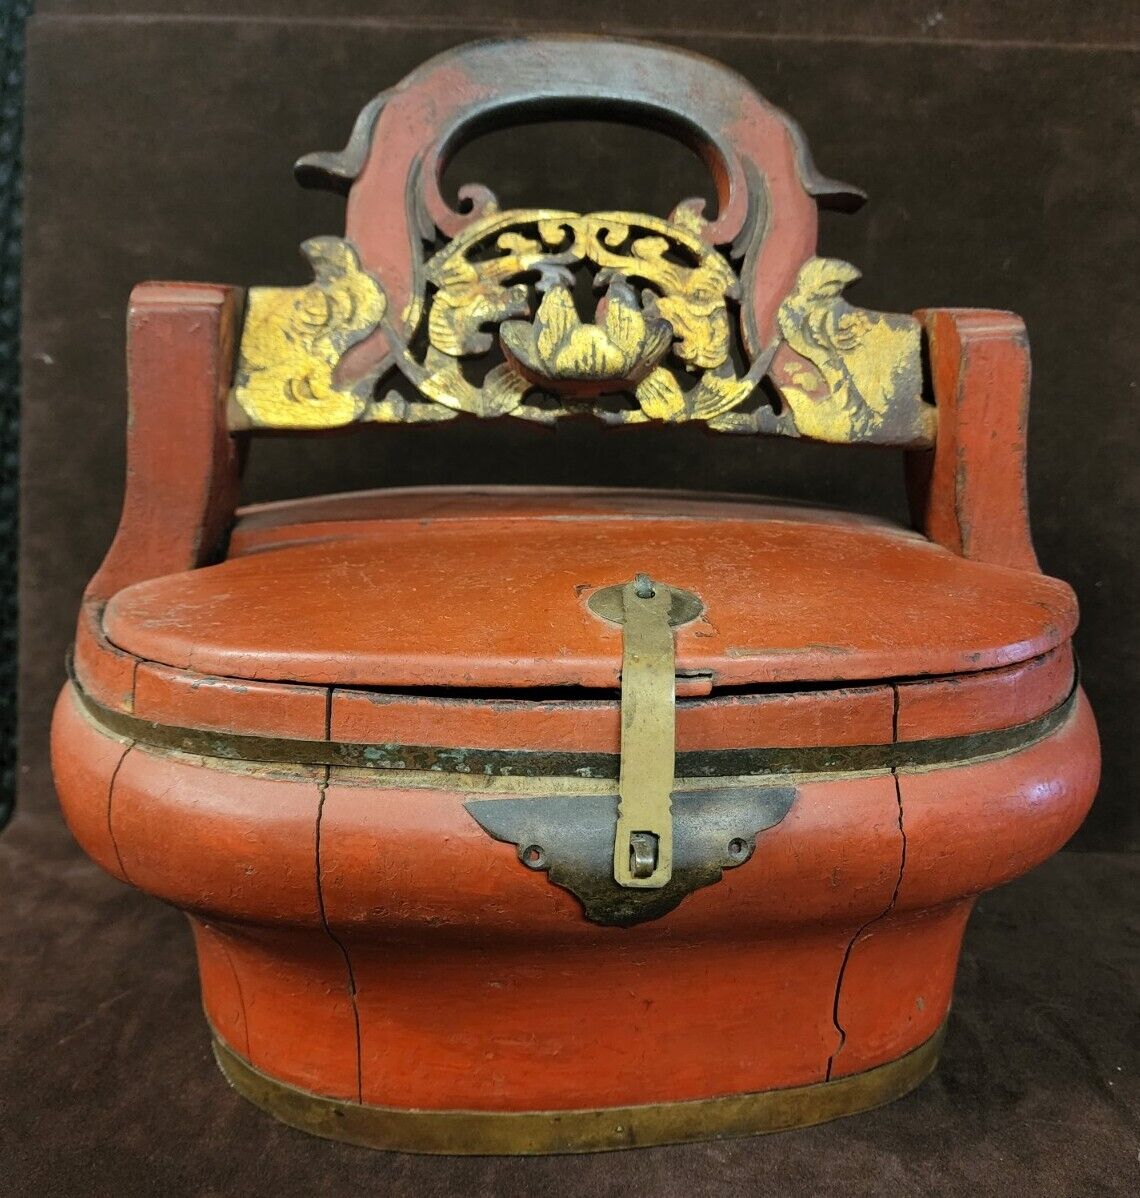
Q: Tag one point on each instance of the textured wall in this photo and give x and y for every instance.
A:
(13, 14)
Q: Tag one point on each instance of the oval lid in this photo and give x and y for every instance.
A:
(485, 602)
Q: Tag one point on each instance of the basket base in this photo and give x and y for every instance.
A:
(532, 1133)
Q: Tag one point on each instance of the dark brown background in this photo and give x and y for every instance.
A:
(999, 147)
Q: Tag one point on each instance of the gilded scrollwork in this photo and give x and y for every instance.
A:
(852, 372)
(664, 312)
(294, 337)
(495, 330)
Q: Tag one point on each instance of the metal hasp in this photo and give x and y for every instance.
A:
(643, 837)
(570, 838)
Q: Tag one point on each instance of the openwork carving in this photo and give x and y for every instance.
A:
(503, 292)
(538, 314)
(662, 316)
(501, 296)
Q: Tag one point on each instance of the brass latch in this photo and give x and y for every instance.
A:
(633, 856)
(648, 612)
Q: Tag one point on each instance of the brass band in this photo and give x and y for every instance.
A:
(530, 1133)
(538, 763)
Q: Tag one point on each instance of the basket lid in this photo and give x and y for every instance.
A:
(492, 590)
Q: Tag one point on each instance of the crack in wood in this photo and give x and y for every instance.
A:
(882, 914)
(322, 790)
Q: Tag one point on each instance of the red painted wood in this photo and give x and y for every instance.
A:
(851, 716)
(476, 605)
(622, 1023)
(189, 700)
(733, 991)
(371, 513)
(430, 113)
(1006, 816)
(238, 845)
(836, 851)
(967, 830)
(104, 671)
(84, 764)
(297, 1019)
(967, 703)
(968, 493)
(451, 941)
(897, 985)
(182, 466)
(938, 707)
(359, 935)
(221, 987)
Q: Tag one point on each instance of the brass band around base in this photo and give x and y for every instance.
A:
(530, 1133)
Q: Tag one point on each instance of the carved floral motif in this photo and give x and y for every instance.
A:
(485, 277)
(496, 330)
(559, 351)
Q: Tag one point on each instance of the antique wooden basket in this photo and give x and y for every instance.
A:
(514, 820)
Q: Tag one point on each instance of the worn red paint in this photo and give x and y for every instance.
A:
(358, 934)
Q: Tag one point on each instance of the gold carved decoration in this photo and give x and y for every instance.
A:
(857, 372)
(558, 350)
(496, 329)
(294, 337)
(681, 311)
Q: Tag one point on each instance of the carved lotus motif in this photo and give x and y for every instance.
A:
(570, 357)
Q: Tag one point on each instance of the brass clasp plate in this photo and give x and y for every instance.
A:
(570, 838)
(634, 856)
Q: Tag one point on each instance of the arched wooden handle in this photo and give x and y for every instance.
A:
(768, 187)
(494, 85)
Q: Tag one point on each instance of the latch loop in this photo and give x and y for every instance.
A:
(648, 611)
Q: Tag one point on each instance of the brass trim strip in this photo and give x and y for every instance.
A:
(529, 1133)
(531, 763)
